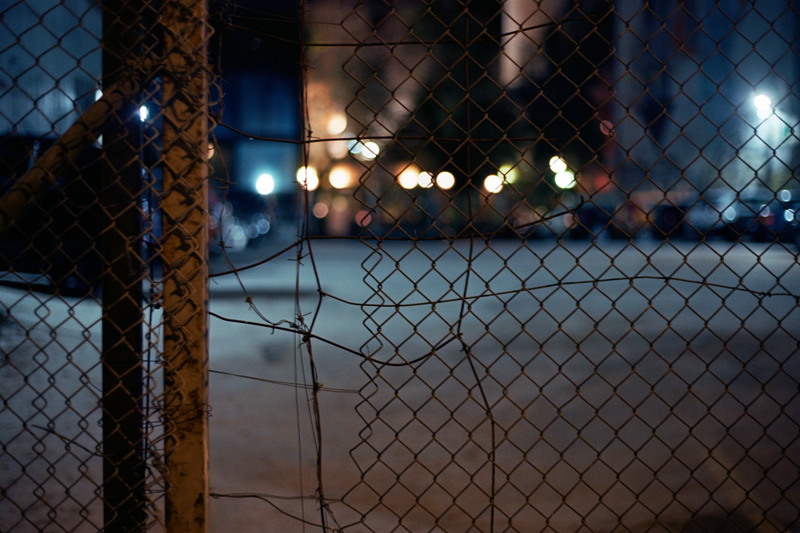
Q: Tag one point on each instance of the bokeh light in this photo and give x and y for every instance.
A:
(265, 184)
(308, 178)
(408, 178)
(763, 105)
(508, 173)
(320, 209)
(341, 177)
(557, 164)
(336, 124)
(565, 179)
(493, 184)
(445, 180)
(370, 150)
(425, 180)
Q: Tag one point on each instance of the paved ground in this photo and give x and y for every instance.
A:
(651, 401)
(647, 401)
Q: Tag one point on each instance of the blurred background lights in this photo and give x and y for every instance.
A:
(265, 184)
(210, 150)
(336, 124)
(337, 149)
(493, 183)
(425, 180)
(144, 113)
(557, 164)
(341, 177)
(763, 105)
(508, 173)
(308, 178)
(339, 203)
(565, 179)
(409, 178)
(363, 217)
(370, 150)
(320, 209)
(445, 180)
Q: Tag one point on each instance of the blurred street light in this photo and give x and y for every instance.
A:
(308, 178)
(408, 178)
(336, 124)
(425, 180)
(445, 180)
(763, 105)
(508, 173)
(565, 179)
(341, 177)
(265, 184)
(493, 184)
(557, 164)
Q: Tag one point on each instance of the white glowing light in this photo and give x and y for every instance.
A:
(337, 124)
(762, 101)
(493, 184)
(370, 150)
(265, 184)
(143, 113)
(425, 180)
(355, 147)
(340, 177)
(445, 180)
(565, 179)
(409, 178)
(308, 178)
(557, 164)
(763, 105)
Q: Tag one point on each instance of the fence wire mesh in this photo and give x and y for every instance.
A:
(88, 111)
(542, 265)
(582, 268)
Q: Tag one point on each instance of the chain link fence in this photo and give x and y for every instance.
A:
(104, 134)
(543, 265)
(581, 220)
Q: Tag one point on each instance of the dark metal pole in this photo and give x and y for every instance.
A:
(123, 438)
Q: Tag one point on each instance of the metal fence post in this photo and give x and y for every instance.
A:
(185, 205)
(123, 439)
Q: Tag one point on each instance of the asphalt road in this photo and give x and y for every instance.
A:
(575, 386)
(617, 384)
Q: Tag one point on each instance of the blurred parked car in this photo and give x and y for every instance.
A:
(778, 220)
(606, 217)
(713, 214)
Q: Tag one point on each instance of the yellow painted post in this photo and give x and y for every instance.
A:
(185, 296)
